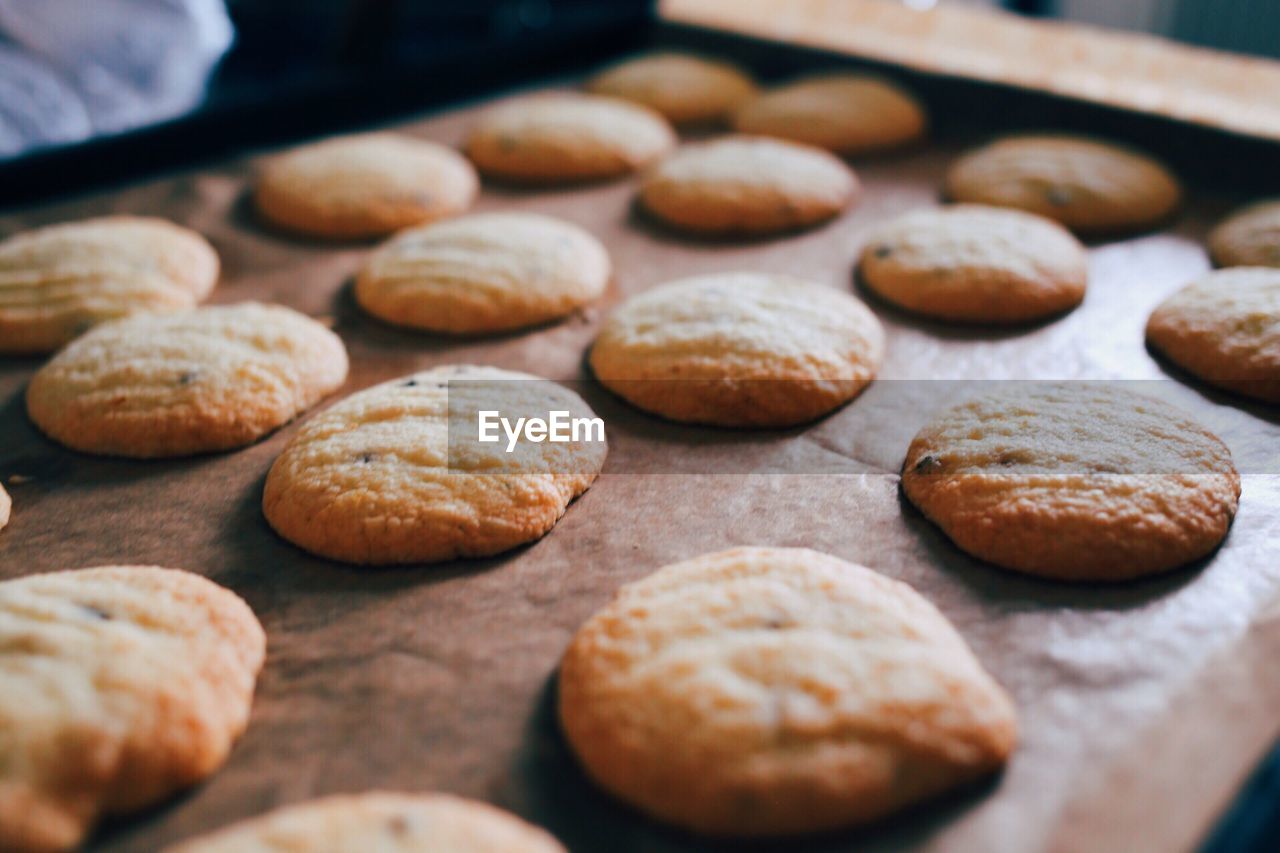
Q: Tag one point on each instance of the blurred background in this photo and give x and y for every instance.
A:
(94, 91)
(72, 70)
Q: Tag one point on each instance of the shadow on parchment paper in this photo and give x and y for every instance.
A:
(354, 320)
(243, 213)
(1211, 393)
(1007, 587)
(647, 223)
(38, 459)
(951, 331)
(547, 787)
(271, 572)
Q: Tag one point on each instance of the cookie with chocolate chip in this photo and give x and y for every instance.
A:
(195, 382)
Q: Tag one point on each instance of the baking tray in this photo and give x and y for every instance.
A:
(1143, 705)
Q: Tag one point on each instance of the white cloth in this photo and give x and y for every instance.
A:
(71, 69)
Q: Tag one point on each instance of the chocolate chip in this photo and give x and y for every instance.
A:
(94, 612)
(366, 458)
(1058, 196)
(927, 465)
(188, 377)
(412, 383)
(883, 251)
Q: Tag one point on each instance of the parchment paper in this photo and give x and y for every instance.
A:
(1142, 705)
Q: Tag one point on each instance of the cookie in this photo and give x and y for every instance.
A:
(367, 185)
(59, 280)
(194, 382)
(1248, 238)
(849, 114)
(684, 89)
(1225, 329)
(120, 687)
(489, 272)
(747, 185)
(975, 264)
(382, 821)
(1089, 186)
(565, 138)
(1077, 481)
(6, 504)
(396, 474)
(776, 691)
(739, 349)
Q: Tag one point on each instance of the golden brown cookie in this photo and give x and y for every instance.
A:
(59, 280)
(175, 384)
(747, 185)
(489, 272)
(777, 691)
(970, 263)
(397, 473)
(366, 185)
(685, 89)
(564, 138)
(1248, 238)
(379, 821)
(1077, 481)
(119, 687)
(1089, 186)
(1225, 329)
(739, 349)
(849, 114)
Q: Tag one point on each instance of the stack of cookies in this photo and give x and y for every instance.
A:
(751, 692)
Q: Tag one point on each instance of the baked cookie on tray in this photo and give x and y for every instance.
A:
(1248, 238)
(739, 349)
(747, 185)
(685, 89)
(379, 821)
(399, 473)
(567, 138)
(848, 114)
(121, 685)
(1092, 187)
(970, 263)
(366, 185)
(488, 272)
(198, 381)
(59, 280)
(1225, 329)
(777, 691)
(1079, 481)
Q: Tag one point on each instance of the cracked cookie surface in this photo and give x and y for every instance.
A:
(489, 272)
(394, 474)
(739, 349)
(57, 281)
(776, 691)
(1091, 187)
(194, 382)
(685, 89)
(976, 264)
(119, 686)
(747, 185)
(366, 185)
(1077, 481)
(848, 114)
(383, 821)
(566, 138)
(1225, 329)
